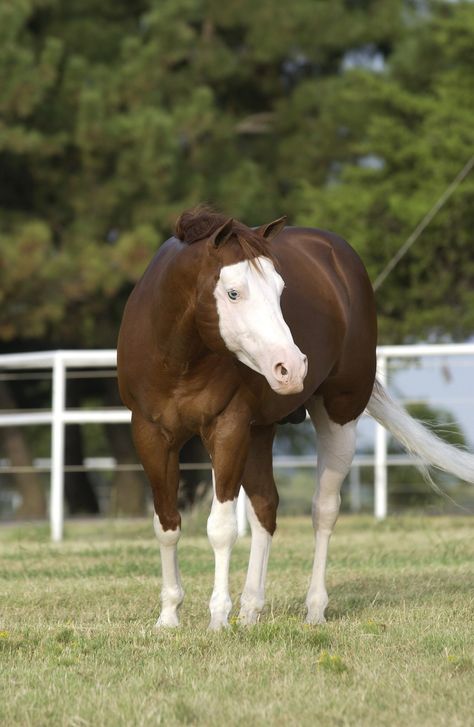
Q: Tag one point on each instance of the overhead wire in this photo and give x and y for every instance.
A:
(423, 223)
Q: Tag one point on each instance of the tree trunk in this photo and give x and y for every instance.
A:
(28, 484)
(78, 490)
(128, 488)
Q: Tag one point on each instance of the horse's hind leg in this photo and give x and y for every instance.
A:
(262, 505)
(161, 464)
(336, 447)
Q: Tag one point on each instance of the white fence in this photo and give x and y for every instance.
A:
(59, 362)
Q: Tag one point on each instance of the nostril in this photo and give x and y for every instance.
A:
(280, 371)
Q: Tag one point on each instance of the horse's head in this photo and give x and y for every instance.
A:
(239, 304)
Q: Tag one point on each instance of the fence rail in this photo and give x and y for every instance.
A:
(60, 362)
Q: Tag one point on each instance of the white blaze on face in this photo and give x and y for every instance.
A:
(252, 325)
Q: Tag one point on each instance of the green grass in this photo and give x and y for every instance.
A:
(77, 645)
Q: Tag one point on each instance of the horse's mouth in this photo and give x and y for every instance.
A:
(287, 389)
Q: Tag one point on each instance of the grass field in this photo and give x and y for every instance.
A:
(77, 645)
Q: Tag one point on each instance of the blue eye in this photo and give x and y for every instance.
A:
(233, 294)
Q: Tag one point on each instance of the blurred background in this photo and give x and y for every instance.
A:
(350, 115)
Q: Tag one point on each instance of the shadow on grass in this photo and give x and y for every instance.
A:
(357, 596)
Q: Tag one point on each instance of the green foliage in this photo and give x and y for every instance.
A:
(116, 116)
(406, 135)
(407, 486)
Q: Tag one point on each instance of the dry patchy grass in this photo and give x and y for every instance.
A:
(77, 645)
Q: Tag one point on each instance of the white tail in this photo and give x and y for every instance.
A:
(417, 439)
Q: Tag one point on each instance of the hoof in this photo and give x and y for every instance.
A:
(167, 621)
(248, 617)
(217, 623)
(316, 607)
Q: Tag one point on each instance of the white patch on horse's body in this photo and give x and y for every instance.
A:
(336, 447)
(252, 325)
(172, 593)
(253, 595)
(222, 534)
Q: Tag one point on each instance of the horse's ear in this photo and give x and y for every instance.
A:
(222, 233)
(271, 230)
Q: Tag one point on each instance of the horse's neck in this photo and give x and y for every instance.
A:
(174, 309)
(179, 343)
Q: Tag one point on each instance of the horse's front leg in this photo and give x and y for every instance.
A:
(228, 451)
(160, 459)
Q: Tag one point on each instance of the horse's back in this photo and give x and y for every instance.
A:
(315, 251)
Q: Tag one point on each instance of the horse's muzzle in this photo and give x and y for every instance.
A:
(288, 374)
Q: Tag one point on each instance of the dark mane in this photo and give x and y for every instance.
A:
(202, 221)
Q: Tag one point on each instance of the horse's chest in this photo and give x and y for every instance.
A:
(197, 406)
(192, 402)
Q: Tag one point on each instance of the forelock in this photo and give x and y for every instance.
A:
(198, 223)
(202, 221)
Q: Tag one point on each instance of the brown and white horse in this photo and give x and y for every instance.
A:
(230, 331)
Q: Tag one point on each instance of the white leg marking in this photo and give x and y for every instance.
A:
(253, 595)
(222, 534)
(172, 593)
(336, 447)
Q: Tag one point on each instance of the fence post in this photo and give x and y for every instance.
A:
(56, 512)
(380, 473)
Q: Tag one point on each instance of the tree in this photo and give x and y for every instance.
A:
(114, 117)
(352, 115)
(407, 487)
(400, 150)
